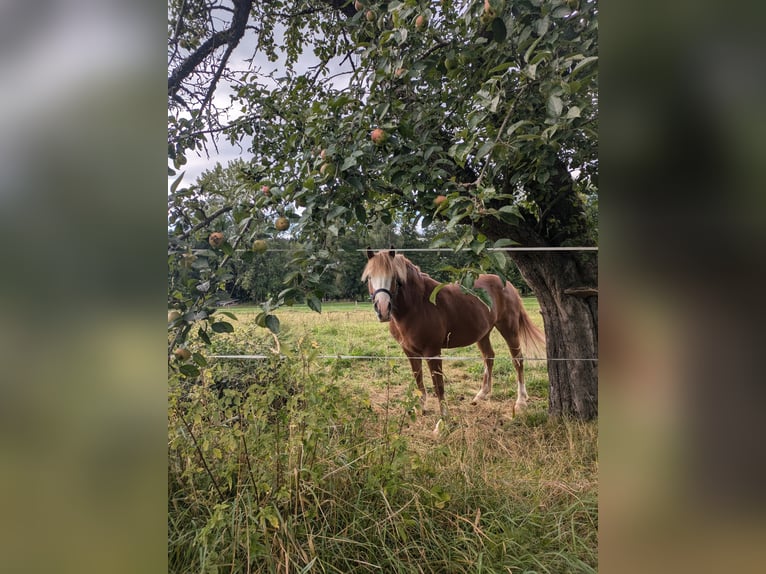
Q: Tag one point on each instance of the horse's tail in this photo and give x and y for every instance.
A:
(531, 335)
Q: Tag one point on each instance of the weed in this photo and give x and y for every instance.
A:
(298, 463)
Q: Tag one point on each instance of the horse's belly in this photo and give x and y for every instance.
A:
(457, 339)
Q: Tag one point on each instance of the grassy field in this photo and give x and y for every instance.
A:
(305, 463)
(352, 329)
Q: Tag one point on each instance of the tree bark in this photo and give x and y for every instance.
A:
(571, 327)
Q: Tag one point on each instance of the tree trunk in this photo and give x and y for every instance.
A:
(565, 283)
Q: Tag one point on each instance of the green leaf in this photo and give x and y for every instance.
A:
(478, 246)
(314, 303)
(501, 260)
(510, 209)
(204, 336)
(347, 163)
(542, 25)
(540, 56)
(528, 53)
(435, 292)
(499, 32)
(555, 106)
(485, 149)
(199, 359)
(510, 214)
(336, 212)
(360, 212)
(573, 112)
(189, 370)
(229, 314)
(502, 67)
(504, 243)
(175, 184)
(584, 62)
(288, 293)
(382, 111)
(272, 322)
(222, 327)
(516, 125)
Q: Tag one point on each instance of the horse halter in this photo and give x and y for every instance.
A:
(388, 292)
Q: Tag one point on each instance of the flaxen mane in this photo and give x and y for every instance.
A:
(388, 266)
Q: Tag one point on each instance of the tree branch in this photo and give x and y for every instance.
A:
(230, 36)
(581, 292)
(206, 221)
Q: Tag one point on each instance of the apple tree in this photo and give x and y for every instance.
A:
(478, 114)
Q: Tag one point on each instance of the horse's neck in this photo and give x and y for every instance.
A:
(413, 292)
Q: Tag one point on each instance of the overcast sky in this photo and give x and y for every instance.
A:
(225, 152)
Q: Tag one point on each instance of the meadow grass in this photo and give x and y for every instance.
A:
(318, 464)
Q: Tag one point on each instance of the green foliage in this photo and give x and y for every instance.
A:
(282, 460)
(496, 111)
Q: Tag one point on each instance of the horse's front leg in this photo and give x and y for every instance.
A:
(417, 369)
(437, 375)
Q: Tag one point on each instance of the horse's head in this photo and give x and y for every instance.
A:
(384, 273)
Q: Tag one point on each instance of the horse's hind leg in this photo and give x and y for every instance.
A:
(417, 370)
(485, 346)
(514, 344)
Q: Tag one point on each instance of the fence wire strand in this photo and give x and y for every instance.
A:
(398, 358)
(448, 249)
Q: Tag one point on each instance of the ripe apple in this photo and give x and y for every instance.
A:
(260, 246)
(265, 189)
(323, 154)
(216, 239)
(439, 199)
(358, 5)
(378, 136)
(400, 72)
(282, 223)
(488, 14)
(182, 354)
(370, 15)
(421, 22)
(173, 315)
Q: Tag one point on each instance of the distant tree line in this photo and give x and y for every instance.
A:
(264, 276)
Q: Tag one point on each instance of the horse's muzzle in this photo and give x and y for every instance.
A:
(384, 314)
(382, 308)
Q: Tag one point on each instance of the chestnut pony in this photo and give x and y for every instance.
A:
(400, 295)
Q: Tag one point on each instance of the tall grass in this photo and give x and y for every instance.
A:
(298, 465)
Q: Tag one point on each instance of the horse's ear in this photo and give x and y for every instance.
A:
(392, 253)
(370, 254)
